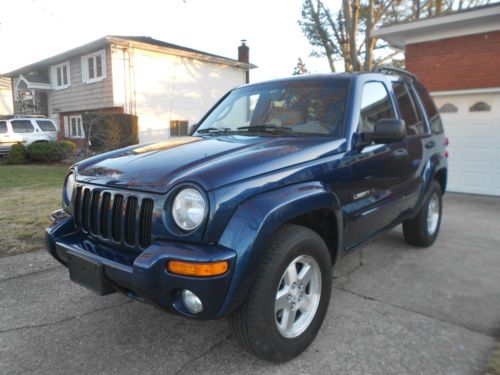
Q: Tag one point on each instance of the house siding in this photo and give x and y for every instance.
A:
(460, 63)
(160, 88)
(80, 96)
(5, 96)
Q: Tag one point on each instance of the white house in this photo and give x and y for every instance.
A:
(167, 86)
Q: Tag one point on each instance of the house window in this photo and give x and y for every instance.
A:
(60, 75)
(76, 127)
(178, 128)
(94, 67)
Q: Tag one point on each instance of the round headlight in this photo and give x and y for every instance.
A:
(188, 209)
(69, 185)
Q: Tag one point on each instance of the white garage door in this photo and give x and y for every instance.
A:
(474, 150)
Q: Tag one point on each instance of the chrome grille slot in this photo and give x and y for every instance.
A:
(130, 214)
(116, 218)
(78, 205)
(145, 222)
(105, 208)
(86, 210)
(94, 213)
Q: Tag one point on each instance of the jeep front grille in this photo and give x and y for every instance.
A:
(118, 217)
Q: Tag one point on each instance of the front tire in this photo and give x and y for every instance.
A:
(290, 296)
(423, 230)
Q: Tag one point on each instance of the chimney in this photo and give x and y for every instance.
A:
(243, 56)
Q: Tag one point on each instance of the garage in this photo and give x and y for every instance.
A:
(456, 57)
(472, 125)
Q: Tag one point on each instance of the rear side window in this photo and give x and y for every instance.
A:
(22, 126)
(46, 126)
(430, 108)
(375, 105)
(408, 109)
(3, 127)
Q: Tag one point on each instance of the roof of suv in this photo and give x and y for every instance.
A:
(386, 71)
(24, 117)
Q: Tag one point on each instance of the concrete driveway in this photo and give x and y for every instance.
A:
(394, 310)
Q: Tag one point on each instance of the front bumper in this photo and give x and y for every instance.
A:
(144, 276)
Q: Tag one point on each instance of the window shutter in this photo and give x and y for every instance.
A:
(66, 127)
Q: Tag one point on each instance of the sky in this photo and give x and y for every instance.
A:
(31, 30)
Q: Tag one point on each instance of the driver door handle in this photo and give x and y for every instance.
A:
(430, 144)
(400, 153)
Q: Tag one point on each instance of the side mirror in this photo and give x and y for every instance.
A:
(387, 131)
(192, 128)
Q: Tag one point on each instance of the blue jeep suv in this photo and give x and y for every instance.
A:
(245, 217)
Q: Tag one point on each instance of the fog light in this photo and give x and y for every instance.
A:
(191, 302)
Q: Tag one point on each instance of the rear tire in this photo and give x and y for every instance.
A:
(423, 230)
(289, 298)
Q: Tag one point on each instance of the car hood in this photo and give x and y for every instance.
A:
(209, 162)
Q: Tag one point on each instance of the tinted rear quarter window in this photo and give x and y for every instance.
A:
(46, 126)
(430, 108)
(22, 126)
(3, 127)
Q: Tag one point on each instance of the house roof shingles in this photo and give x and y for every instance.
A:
(135, 41)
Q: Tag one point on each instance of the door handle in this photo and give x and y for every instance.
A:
(399, 153)
(430, 144)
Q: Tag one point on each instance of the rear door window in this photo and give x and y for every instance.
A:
(409, 109)
(46, 125)
(430, 108)
(22, 126)
(3, 127)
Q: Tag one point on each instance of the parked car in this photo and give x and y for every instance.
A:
(26, 130)
(246, 217)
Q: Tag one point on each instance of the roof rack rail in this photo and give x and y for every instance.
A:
(8, 117)
(393, 69)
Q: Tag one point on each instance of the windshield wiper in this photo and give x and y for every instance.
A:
(213, 130)
(269, 129)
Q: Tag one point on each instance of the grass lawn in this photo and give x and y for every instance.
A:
(28, 194)
(494, 365)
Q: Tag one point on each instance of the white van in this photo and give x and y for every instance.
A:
(26, 130)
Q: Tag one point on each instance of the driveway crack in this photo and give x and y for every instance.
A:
(30, 273)
(215, 346)
(482, 333)
(65, 320)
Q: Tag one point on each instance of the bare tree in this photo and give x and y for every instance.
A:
(347, 34)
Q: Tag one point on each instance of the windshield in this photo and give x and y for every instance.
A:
(294, 108)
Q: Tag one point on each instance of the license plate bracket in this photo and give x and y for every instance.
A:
(88, 273)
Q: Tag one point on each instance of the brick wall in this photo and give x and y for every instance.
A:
(460, 63)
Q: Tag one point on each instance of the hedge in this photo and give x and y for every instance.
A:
(17, 154)
(50, 151)
(106, 131)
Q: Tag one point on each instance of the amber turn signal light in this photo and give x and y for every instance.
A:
(197, 269)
